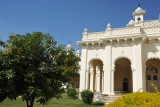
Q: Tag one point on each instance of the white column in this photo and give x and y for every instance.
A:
(134, 80)
(91, 78)
(138, 68)
(112, 81)
(83, 69)
(102, 81)
(144, 78)
(107, 72)
(98, 78)
(87, 79)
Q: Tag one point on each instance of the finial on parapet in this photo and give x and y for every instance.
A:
(85, 30)
(108, 30)
(139, 5)
(131, 23)
(85, 33)
(109, 26)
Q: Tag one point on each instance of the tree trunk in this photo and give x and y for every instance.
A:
(31, 102)
(27, 103)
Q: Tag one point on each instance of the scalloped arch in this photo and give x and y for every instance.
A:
(151, 58)
(91, 60)
(123, 57)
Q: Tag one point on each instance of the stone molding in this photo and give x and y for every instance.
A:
(145, 27)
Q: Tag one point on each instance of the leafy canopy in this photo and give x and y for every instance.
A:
(32, 66)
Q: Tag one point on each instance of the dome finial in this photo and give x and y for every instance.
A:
(109, 26)
(139, 5)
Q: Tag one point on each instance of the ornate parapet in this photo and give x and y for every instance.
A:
(144, 27)
(95, 35)
(126, 31)
(151, 30)
(112, 32)
(141, 32)
(151, 23)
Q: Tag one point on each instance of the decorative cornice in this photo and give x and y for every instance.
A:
(111, 41)
(148, 31)
(144, 27)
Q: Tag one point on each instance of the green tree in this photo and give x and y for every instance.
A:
(34, 67)
(1, 43)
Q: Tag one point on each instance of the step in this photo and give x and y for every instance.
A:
(111, 98)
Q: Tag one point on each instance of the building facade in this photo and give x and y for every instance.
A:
(122, 59)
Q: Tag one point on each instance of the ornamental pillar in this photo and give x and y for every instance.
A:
(91, 78)
(112, 81)
(83, 69)
(144, 77)
(107, 69)
(134, 80)
(139, 67)
(87, 79)
(102, 81)
(98, 78)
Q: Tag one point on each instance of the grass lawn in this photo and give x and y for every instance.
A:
(62, 102)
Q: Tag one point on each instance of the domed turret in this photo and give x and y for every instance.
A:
(139, 10)
(78, 53)
(131, 23)
(139, 14)
(69, 47)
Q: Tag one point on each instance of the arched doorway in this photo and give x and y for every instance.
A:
(152, 74)
(96, 80)
(123, 75)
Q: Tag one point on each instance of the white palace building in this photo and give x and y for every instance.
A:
(122, 59)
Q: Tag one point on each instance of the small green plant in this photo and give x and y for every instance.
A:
(72, 92)
(87, 96)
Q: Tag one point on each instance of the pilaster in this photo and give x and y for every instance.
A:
(102, 80)
(87, 79)
(138, 68)
(107, 71)
(98, 78)
(91, 78)
(83, 69)
(134, 80)
(112, 81)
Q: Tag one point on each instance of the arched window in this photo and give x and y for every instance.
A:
(139, 19)
(154, 77)
(151, 69)
(148, 77)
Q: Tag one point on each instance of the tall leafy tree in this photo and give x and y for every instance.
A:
(34, 67)
(1, 43)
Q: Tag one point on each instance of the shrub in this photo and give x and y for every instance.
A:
(138, 99)
(72, 92)
(87, 96)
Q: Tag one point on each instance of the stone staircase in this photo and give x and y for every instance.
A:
(111, 98)
(100, 97)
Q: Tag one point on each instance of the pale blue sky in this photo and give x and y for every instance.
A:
(65, 20)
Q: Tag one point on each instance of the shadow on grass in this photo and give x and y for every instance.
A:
(98, 103)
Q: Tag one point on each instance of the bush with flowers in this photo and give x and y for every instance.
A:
(138, 99)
